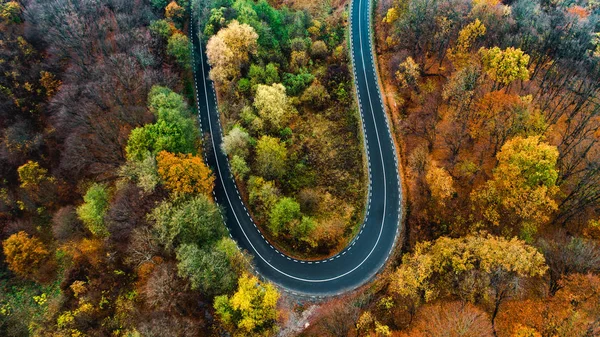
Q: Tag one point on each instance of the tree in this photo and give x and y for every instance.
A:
(319, 50)
(207, 270)
(283, 214)
(36, 182)
(185, 174)
(520, 194)
(179, 137)
(262, 194)
(315, 95)
(236, 142)
(239, 167)
(229, 50)
(10, 11)
(161, 28)
(409, 73)
(454, 319)
(273, 105)
(505, 66)
(159, 4)
(94, 207)
(271, 157)
(252, 309)
(472, 267)
(142, 172)
(174, 12)
(24, 254)
(179, 47)
(466, 37)
(196, 220)
(440, 183)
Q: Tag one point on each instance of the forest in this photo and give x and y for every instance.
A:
(107, 220)
(495, 113)
(108, 226)
(290, 120)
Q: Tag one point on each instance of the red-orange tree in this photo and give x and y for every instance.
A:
(185, 173)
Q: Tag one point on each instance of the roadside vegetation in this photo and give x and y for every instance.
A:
(291, 128)
(107, 219)
(494, 108)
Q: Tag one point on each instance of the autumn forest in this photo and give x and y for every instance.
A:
(108, 220)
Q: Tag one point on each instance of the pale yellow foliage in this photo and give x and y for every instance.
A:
(273, 105)
(408, 73)
(229, 50)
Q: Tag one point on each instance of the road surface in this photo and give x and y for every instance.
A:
(372, 246)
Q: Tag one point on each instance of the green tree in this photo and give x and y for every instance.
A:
(283, 214)
(174, 130)
(153, 138)
(179, 47)
(208, 270)
(167, 104)
(263, 194)
(196, 220)
(161, 28)
(239, 167)
(94, 207)
(273, 105)
(521, 193)
(252, 310)
(271, 156)
(159, 4)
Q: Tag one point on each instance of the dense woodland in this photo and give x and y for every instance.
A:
(290, 120)
(108, 227)
(107, 220)
(495, 111)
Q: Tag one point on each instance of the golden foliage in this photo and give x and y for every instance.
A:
(24, 254)
(185, 174)
(431, 261)
(440, 183)
(253, 307)
(466, 37)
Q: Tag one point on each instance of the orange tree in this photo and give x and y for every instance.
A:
(24, 254)
(185, 174)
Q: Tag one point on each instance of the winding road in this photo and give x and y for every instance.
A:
(370, 249)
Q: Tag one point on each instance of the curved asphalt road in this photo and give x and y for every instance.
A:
(369, 251)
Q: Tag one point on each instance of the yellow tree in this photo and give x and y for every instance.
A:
(472, 268)
(185, 174)
(252, 310)
(520, 194)
(31, 175)
(173, 11)
(459, 55)
(229, 50)
(24, 254)
(440, 183)
(273, 105)
(505, 66)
